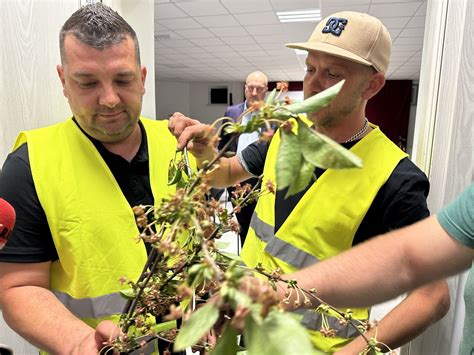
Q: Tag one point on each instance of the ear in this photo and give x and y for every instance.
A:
(144, 72)
(60, 70)
(376, 83)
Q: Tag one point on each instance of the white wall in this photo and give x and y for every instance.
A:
(30, 92)
(172, 97)
(140, 15)
(192, 99)
(29, 52)
(202, 110)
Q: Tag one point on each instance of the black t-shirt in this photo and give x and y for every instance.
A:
(401, 201)
(31, 240)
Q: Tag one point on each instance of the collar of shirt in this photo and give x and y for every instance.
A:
(140, 157)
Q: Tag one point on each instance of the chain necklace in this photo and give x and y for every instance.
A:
(359, 133)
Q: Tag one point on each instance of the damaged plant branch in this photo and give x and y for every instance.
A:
(185, 260)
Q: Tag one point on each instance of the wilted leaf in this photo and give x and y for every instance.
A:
(278, 334)
(196, 326)
(323, 152)
(316, 102)
(229, 154)
(227, 343)
(289, 160)
(302, 179)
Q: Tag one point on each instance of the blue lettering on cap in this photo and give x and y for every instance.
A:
(335, 26)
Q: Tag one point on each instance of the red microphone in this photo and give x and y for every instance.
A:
(7, 221)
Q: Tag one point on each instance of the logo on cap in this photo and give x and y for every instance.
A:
(335, 26)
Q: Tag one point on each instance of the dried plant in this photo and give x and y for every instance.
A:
(186, 266)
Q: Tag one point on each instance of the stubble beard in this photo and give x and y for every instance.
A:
(124, 132)
(336, 112)
(101, 132)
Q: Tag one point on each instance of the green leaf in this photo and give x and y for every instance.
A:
(278, 334)
(271, 97)
(235, 298)
(195, 274)
(234, 128)
(222, 245)
(316, 102)
(161, 327)
(227, 343)
(231, 256)
(128, 294)
(174, 174)
(323, 152)
(302, 179)
(182, 183)
(289, 160)
(196, 326)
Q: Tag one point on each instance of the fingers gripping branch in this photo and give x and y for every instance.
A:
(197, 137)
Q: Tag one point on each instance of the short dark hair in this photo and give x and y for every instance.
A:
(98, 26)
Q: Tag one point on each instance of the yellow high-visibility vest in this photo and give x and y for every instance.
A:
(322, 224)
(91, 222)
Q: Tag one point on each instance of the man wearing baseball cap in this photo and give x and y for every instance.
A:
(341, 208)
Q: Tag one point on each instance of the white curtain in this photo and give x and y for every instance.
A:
(444, 136)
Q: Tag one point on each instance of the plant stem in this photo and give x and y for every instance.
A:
(150, 260)
(210, 261)
(310, 294)
(141, 287)
(207, 166)
(247, 196)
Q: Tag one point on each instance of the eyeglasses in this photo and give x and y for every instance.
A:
(257, 88)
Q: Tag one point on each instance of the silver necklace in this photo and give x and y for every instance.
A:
(360, 132)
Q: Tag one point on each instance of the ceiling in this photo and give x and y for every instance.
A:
(224, 40)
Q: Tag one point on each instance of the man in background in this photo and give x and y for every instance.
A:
(256, 86)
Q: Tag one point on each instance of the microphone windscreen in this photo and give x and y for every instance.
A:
(7, 221)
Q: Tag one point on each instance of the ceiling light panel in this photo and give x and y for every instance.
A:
(309, 15)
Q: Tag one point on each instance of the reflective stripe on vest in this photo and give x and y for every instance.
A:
(279, 248)
(313, 320)
(95, 307)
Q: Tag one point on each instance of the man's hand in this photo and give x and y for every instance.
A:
(105, 332)
(201, 140)
(197, 137)
(97, 339)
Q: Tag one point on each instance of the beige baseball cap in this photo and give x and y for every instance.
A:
(354, 36)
